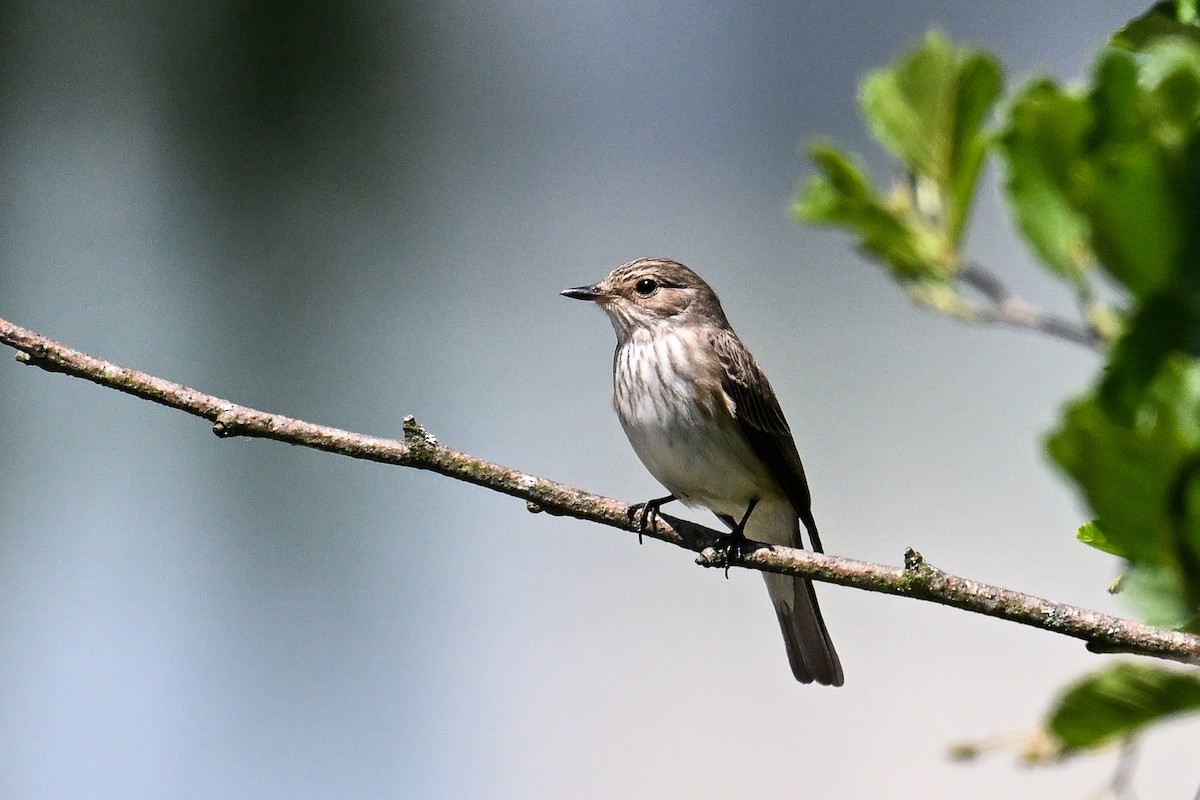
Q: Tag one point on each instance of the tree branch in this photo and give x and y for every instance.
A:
(1007, 308)
(917, 579)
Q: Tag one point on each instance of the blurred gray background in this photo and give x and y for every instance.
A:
(350, 211)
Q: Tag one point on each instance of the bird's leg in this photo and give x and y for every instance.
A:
(649, 512)
(733, 541)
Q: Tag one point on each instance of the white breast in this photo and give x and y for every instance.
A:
(681, 426)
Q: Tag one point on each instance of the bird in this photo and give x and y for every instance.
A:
(702, 417)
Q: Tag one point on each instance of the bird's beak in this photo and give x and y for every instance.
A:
(593, 293)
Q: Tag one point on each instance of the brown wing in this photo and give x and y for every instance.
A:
(761, 419)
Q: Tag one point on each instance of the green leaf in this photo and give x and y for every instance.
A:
(1168, 68)
(928, 111)
(1161, 326)
(1045, 136)
(1164, 19)
(843, 195)
(1091, 534)
(1117, 702)
(1139, 470)
(845, 175)
(1129, 185)
(1115, 171)
(1159, 596)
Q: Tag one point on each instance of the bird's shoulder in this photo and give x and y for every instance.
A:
(753, 400)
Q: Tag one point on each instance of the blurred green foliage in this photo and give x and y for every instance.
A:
(1115, 702)
(928, 111)
(1102, 177)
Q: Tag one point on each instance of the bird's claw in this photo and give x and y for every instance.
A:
(732, 544)
(648, 512)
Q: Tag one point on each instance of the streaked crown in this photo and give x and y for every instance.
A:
(650, 292)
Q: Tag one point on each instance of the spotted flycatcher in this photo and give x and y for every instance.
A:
(702, 417)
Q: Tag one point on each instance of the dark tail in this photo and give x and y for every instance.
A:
(809, 650)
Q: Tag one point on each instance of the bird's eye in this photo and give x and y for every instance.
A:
(646, 287)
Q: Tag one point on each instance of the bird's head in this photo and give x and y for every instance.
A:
(650, 292)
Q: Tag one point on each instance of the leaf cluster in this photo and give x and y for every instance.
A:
(1102, 179)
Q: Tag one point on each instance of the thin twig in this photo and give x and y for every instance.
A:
(418, 449)
(1006, 308)
(1121, 784)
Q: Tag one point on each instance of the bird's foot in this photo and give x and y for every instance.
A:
(648, 512)
(734, 542)
(733, 545)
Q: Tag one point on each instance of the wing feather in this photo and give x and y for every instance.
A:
(761, 419)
